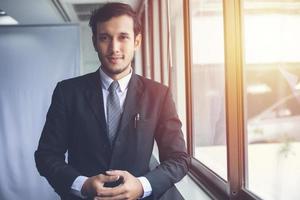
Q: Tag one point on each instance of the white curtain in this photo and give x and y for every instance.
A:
(32, 60)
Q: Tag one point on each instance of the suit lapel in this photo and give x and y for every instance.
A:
(131, 108)
(131, 104)
(95, 98)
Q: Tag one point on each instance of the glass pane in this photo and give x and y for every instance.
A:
(208, 84)
(176, 62)
(272, 86)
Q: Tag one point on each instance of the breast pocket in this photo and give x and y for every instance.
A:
(144, 124)
(145, 128)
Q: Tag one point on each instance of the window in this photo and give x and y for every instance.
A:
(176, 58)
(234, 71)
(208, 84)
(272, 104)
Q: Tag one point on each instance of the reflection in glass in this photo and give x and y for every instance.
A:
(272, 77)
(208, 84)
(176, 62)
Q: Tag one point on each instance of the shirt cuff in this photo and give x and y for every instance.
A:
(146, 186)
(77, 185)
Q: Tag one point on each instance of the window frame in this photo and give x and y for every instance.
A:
(213, 184)
(210, 182)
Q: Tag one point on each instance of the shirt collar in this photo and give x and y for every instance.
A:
(106, 80)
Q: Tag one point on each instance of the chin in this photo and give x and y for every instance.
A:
(113, 70)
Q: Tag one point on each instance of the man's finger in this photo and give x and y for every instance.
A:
(111, 192)
(118, 197)
(105, 178)
(116, 173)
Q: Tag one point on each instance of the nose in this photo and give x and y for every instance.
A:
(114, 46)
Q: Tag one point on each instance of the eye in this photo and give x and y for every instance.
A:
(124, 37)
(103, 38)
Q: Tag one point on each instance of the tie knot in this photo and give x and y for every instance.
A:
(113, 86)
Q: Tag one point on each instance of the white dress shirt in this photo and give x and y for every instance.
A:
(121, 92)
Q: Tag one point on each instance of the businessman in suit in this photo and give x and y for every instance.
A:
(108, 120)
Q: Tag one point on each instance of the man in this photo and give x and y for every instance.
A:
(108, 120)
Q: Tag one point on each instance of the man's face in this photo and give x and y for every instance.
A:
(115, 43)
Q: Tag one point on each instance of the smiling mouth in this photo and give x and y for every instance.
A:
(115, 59)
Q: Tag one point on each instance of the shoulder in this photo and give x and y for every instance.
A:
(79, 82)
(152, 85)
(78, 79)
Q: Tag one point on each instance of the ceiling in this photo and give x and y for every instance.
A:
(53, 11)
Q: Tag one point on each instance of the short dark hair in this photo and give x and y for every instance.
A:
(110, 10)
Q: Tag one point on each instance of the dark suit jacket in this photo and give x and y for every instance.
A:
(76, 124)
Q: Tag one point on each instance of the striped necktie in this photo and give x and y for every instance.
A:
(113, 111)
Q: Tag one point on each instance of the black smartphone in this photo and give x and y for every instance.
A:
(115, 183)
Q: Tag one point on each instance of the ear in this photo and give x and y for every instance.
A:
(94, 42)
(137, 41)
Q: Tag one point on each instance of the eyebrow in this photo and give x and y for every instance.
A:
(106, 34)
(102, 34)
(124, 33)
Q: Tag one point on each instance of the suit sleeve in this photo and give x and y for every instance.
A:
(174, 160)
(50, 155)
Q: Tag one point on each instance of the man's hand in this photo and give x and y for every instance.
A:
(130, 189)
(93, 186)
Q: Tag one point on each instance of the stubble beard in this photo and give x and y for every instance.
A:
(112, 70)
(118, 71)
